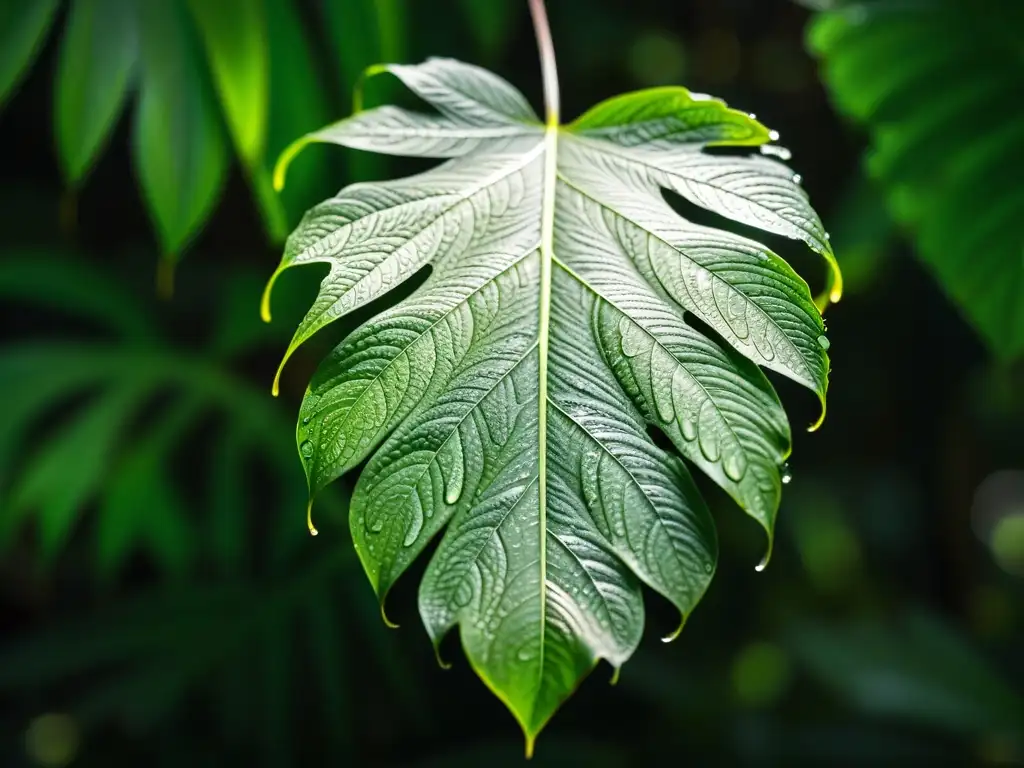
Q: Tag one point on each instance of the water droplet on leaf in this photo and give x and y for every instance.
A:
(306, 448)
(823, 342)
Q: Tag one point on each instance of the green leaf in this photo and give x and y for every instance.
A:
(234, 34)
(23, 28)
(63, 475)
(936, 84)
(180, 153)
(297, 104)
(69, 284)
(913, 669)
(97, 56)
(507, 401)
(141, 505)
(363, 33)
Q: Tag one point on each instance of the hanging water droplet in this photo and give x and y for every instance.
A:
(773, 135)
(787, 474)
(752, 116)
(773, 150)
(823, 342)
(797, 178)
(828, 236)
(306, 449)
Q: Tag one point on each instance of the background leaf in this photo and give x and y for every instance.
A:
(180, 153)
(98, 55)
(234, 34)
(23, 28)
(946, 133)
(911, 668)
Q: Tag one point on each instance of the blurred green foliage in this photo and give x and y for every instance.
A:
(937, 84)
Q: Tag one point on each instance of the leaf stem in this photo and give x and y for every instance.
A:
(549, 69)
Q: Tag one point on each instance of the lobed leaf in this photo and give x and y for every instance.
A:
(505, 406)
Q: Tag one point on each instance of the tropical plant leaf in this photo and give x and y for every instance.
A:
(180, 153)
(298, 100)
(23, 28)
(89, 445)
(914, 668)
(236, 37)
(919, 75)
(97, 57)
(234, 34)
(508, 399)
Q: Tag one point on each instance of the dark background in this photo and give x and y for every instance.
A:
(884, 631)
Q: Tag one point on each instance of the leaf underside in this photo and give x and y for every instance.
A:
(507, 401)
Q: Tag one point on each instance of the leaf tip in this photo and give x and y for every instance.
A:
(531, 741)
(265, 299)
(445, 665)
(764, 560)
(285, 159)
(309, 517)
(821, 419)
(671, 635)
(615, 676)
(165, 278)
(387, 622)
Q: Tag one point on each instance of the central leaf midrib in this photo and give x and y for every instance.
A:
(547, 244)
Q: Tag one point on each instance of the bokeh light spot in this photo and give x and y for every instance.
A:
(52, 740)
(657, 58)
(760, 674)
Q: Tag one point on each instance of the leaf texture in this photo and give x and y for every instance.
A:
(505, 405)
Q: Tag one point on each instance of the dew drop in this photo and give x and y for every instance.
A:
(734, 465)
(708, 568)
(773, 150)
(305, 419)
(787, 474)
(525, 654)
(828, 236)
(306, 448)
(773, 135)
(797, 178)
(823, 342)
(752, 116)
